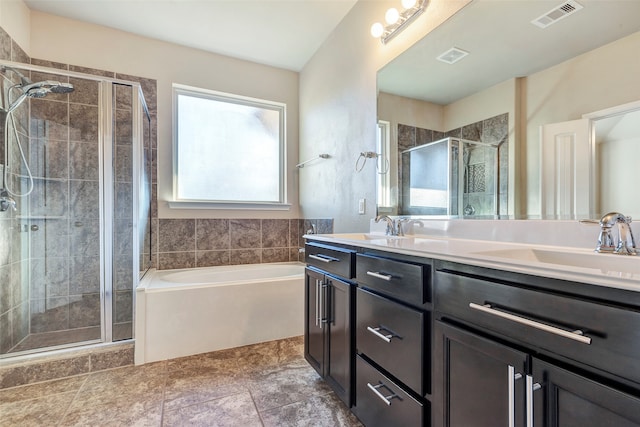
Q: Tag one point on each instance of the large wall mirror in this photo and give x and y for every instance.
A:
(473, 117)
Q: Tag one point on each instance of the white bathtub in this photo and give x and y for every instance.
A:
(191, 311)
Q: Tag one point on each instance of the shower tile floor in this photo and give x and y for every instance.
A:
(268, 384)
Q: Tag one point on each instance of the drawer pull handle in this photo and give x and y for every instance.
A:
(385, 399)
(574, 335)
(383, 337)
(323, 258)
(379, 275)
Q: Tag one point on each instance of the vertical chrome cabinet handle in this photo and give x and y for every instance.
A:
(380, 275)
(382, 397)
(321, 300)
(512, 394)
(531, 387)
(317, 301)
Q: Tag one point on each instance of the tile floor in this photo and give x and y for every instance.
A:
(268, 384)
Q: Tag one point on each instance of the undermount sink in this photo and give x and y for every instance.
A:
(366, 236)
(604, 262)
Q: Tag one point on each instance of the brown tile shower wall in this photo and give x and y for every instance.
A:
(188, 243)
(494, 130)
(64, 221)
(14, 295)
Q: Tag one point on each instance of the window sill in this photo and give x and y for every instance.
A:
(180, 204)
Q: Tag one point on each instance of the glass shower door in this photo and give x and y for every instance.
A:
(70, 253)
(62, 216)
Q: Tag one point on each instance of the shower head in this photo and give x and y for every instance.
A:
(62, 88)
(40, 89)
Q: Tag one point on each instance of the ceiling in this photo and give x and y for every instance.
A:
(502, 44)
(280, 33)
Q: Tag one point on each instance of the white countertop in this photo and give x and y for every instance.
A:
(559, 262)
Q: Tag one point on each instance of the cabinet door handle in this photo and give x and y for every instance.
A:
(322, 303)
(380, 275)
(574, 335)
(531, 387)
(383, 337)
(323, 258)
(385, 399)
(317, 301)
(512, 394)
(320, 298)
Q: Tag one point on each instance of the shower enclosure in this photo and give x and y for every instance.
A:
(452, 177)
(74, 207)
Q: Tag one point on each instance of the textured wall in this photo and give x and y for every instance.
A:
(338, 110)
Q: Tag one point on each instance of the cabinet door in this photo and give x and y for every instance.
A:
(338, 366)
(314, 327)
(570, 400)
(481, 381)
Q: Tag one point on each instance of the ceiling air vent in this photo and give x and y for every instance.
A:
(557, 13)
(452, 55)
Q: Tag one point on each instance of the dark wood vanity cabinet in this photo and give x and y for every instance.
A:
(393, 340)
(406, 341)
(328, 344)
(516, 350)
(478, 380)
(569, 399)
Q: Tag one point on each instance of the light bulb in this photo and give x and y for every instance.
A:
(392, 16)
(408, 4)
(377, 29)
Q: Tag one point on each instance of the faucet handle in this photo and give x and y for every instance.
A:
(6, 201)
(589, 221)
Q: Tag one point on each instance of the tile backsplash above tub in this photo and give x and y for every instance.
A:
(187, 243)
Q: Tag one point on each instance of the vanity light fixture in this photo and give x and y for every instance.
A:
(398, 21)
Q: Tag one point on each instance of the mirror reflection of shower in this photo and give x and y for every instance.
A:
(13, 97)
(451, 177)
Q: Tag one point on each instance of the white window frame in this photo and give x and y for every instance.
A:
(178, 203)
(383, 184)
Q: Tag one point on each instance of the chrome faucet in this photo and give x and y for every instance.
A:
(391, 224)
(394, 227)
(626, 244)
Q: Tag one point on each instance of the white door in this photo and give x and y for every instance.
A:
(566, 170)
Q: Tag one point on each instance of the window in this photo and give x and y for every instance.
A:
(383, 183)
(229, 151)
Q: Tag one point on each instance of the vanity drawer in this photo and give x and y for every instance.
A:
(600, 335)
(380, 402)
(398, 279)
(332, 259)
(393, 336)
